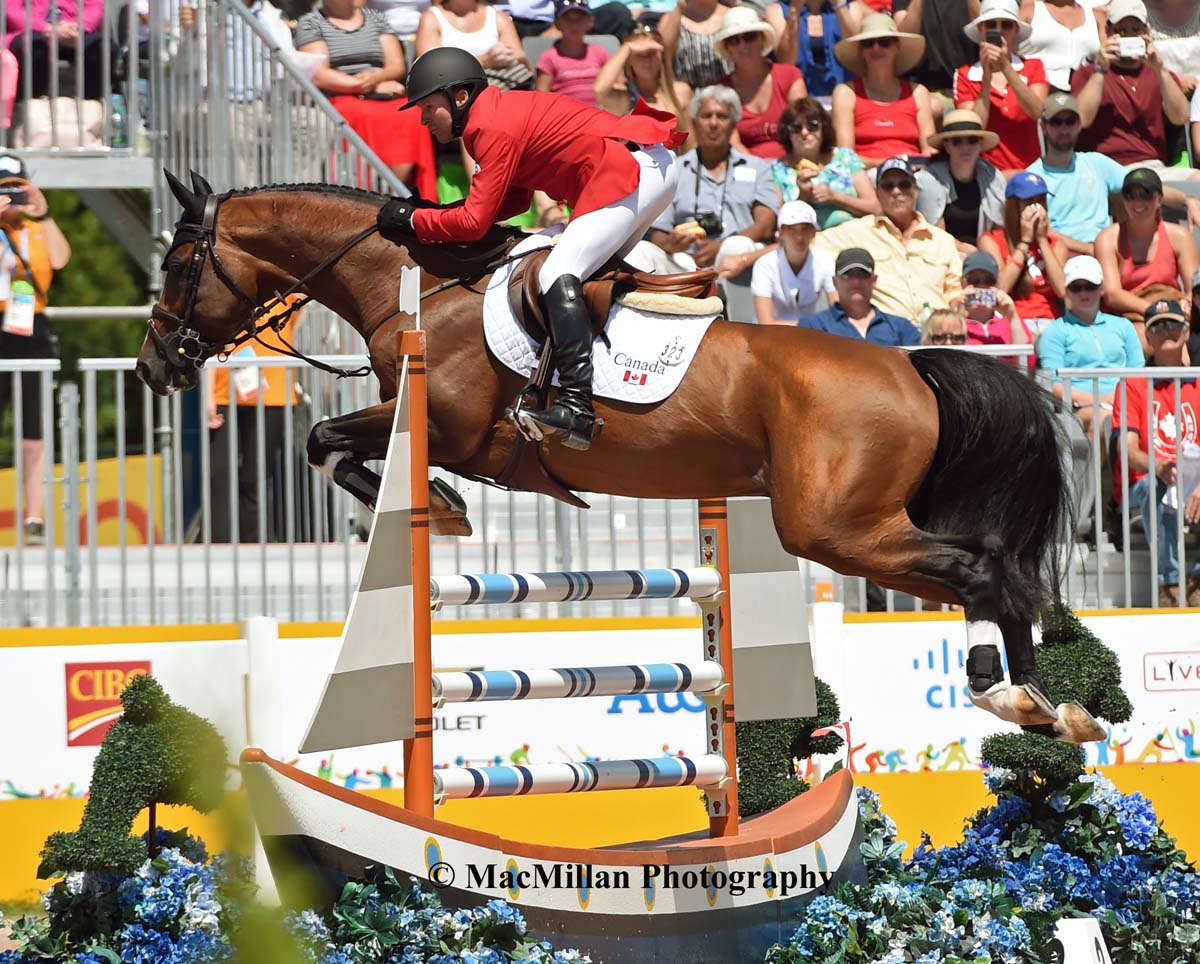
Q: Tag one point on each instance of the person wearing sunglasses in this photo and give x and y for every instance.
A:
(814, 169)
(1145, 258)
(1005, 90)
(1127, 97)
(917, 263)
(1167, 332)
(1080, 184)
(764, 88)
(972, 188)
(1086, 337)
(944, 327)
(879, 114)
(991, 316)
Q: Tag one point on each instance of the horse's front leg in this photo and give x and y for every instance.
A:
(338, 447)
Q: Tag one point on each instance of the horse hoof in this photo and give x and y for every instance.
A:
(1013, 704)
(451, 526)
(1033, 705)
(1077, 725)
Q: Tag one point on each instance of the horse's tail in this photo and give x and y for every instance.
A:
(998, 471)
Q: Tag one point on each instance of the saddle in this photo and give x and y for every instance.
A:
(690, 292)
(614, 281)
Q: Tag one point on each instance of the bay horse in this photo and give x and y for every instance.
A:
(936, 473)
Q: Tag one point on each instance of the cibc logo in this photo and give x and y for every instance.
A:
(94, 698)
(949, 691)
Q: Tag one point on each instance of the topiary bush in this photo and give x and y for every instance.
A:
(1077, 666)
(768, 749)
(158, 752)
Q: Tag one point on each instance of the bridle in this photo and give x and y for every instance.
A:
(184, 348)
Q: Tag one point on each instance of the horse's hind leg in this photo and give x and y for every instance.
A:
(338, 448)
(968, 570)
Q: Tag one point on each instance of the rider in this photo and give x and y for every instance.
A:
(616, 173)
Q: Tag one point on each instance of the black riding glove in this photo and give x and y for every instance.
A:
(395, 220)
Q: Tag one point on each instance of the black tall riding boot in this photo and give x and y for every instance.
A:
(571, 417)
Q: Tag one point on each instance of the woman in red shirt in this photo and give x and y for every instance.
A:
(616, 173)
(765, 89)
(880, 115)
(1030, 254)
(1004, 90)
(1144, 258)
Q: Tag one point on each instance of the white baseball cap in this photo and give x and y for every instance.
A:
(797, 212)
(1083, 267)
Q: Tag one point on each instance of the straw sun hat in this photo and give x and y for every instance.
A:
(741, 20)
(876, 26)
(963, 123)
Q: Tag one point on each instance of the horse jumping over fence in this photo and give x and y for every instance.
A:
(936, 473)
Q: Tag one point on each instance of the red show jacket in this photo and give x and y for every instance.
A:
(524, 141)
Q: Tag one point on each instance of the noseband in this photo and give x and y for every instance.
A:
(182, 346)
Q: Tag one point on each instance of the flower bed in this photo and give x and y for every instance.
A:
(182, 908)
(1047, 849)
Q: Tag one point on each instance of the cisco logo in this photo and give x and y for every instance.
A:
(948, 689)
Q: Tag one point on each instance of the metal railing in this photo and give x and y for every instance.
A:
(130, 523)
(80, 85)
(241, 110)
(137, 496)
(1126, 573)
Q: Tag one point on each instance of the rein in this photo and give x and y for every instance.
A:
(183, 345)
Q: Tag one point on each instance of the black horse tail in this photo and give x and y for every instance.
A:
(998, 473)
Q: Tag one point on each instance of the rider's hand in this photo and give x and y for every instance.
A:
(395, 220)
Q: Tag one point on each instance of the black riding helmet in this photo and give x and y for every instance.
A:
(444, 70)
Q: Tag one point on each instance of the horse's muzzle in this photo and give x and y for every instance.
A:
(161, 377)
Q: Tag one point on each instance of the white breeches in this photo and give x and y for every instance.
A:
(591, 239)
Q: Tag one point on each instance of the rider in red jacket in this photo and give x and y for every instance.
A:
(616, 173)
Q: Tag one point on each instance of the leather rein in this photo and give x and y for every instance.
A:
(183, 346)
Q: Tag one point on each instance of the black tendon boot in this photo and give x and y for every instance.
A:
(571, 417)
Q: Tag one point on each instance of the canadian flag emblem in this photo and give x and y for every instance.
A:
(635, 379)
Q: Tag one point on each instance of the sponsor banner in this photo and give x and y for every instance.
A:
(94, 698)
(142, 513)
(901, 686)
(902, 690)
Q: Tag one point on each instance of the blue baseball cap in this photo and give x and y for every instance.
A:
(1025, 185)
(564, 6)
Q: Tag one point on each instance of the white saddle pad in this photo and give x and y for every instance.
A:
(646, 357)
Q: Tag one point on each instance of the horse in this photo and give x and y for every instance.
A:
(933, 472)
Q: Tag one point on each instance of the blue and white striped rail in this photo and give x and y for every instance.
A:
(456, 783)
(550, 684)
(557, 587)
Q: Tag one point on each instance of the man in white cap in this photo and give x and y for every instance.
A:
(1086, 337)
(1127, 97)
(789, 278)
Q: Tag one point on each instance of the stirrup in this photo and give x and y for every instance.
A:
(575, 429)
(519, 413)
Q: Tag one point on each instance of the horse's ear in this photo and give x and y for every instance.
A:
(192, 204)
(200, 185)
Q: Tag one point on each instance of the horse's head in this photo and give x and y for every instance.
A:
(207, 297)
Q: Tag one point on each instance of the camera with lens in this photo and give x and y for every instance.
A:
(984, 297)
(711, 222)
